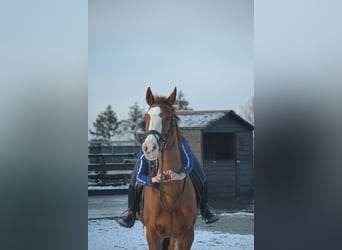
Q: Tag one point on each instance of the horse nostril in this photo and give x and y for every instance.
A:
(145, 148)
(154, 147)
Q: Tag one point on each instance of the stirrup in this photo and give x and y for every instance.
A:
(209, 216)
(211, 219)
(127, 219)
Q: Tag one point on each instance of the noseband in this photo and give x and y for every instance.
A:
(162, 140)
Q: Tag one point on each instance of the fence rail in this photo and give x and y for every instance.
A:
(102, 173)
(110, 157)
(110, 166)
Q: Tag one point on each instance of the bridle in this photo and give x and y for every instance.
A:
(162, 143)
(162, 140)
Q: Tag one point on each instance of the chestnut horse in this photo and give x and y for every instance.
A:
(170, 208)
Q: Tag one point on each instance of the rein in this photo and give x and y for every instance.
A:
(153, 164)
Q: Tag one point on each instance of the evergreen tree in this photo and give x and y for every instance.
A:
(106, 125)
(135, 113)
(181, 103)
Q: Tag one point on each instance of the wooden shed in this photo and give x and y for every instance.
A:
(223, 142)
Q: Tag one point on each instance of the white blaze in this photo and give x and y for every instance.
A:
(155, 119)
(150, 145)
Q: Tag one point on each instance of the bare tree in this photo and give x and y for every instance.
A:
(248, 110)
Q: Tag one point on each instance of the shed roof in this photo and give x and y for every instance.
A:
(200, 119)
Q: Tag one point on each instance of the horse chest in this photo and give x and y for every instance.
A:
(171, 223)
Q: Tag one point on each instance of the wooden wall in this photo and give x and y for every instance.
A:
(226, 178)
(226, 124)
(246, 161)
(220, 178)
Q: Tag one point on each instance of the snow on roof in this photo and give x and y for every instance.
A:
(199, 119)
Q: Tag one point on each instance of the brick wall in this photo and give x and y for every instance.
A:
(194, 138)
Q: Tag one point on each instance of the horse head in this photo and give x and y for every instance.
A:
(160, 122)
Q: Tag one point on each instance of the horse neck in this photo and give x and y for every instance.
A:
(172, 156)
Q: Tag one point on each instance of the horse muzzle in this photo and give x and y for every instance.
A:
(150, 148)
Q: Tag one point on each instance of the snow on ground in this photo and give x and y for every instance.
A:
(107, 187)
(108, 234)
(235, 214)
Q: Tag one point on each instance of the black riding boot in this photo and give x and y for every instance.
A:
(134, 193)
(208, 215)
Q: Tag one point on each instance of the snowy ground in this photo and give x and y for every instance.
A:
(91, 186)
(107, 234)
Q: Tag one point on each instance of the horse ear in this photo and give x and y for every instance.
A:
(172, 98)
(149, 97)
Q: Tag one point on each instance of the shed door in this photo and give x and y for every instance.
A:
(219, 146)
(219, 162)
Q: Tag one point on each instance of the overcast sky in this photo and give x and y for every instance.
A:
(205, 48)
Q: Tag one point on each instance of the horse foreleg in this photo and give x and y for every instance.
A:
(171, 244)
(154, 242)
(185, 242)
